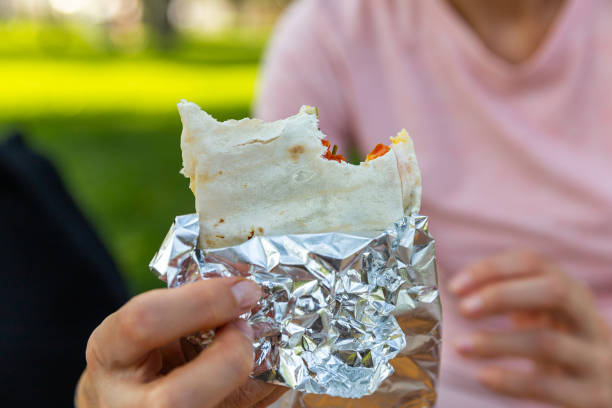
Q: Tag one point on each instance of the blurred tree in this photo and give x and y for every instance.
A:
(237, 3)
(246, 10)
(156, 16)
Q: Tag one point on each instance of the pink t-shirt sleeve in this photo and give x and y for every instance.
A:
(301, 68)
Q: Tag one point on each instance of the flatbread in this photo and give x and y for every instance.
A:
(254, 178)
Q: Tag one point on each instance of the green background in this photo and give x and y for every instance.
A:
(107, 118)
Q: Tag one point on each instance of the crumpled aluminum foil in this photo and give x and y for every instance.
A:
(336, 309)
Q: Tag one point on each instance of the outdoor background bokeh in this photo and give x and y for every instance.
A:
(94, 85)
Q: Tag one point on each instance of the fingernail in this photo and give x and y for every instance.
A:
(473, 304)
(461, 282)
(246, 293)
(244, 327)
(464, 344)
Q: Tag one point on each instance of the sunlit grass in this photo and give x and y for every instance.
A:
(64, 87)
(71, 39)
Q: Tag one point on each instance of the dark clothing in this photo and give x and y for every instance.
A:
(58, 282)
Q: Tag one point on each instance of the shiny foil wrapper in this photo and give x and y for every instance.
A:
(346, 315)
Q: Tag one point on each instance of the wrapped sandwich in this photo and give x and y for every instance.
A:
(254, 178)
(347, 266)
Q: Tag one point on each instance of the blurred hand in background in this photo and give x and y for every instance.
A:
(557, 326)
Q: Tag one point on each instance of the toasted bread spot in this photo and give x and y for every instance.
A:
(220, 236)
(251, 234)
(220, 172)
(206, 177)
(295, 152)
(260, 230)
(221, 221)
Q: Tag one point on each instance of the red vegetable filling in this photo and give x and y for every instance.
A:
(379, 150)
(330, 154)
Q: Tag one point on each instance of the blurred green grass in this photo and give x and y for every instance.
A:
(108, 120)
(37, 86)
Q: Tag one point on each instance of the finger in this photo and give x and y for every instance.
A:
(564, 391)
(502, 266)
(511, 296)
(534, 319)
(156, 318)
(547, 345)
(212, 376)
(544, 292)
(249, 394)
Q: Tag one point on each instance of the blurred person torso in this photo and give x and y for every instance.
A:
(512, 155)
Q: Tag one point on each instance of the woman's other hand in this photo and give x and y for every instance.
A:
(557, 326)
(135, 357)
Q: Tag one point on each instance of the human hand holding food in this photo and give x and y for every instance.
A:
(557, 326)
(135, 357)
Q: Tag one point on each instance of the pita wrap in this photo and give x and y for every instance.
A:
(254, 178)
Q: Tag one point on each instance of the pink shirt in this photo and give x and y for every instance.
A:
(512, 156)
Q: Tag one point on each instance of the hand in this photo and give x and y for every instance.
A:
(557, 326)
(135, 358)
